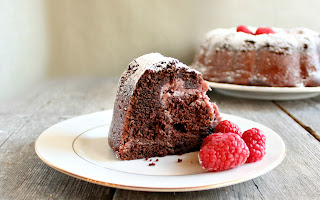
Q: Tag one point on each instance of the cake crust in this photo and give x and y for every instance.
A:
(161, 108)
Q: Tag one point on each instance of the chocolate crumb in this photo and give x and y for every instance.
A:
(179, 160)
(152, 164)
(157, 160)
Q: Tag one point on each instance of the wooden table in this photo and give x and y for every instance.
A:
(24, 176)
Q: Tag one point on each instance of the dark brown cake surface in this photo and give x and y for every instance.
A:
(161, 108)
(287, 58)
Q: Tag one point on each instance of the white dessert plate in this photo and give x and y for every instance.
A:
(78, 147)
(265, 93)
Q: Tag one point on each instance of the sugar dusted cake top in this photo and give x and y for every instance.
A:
(282, 41)
(151, 61)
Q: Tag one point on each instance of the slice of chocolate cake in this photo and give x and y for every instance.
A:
(161, 108)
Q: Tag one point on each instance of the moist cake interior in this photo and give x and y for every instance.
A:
(168, 113)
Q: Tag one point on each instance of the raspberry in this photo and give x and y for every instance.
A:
(264, 30)
(209, 138)
(256, 142)
(244, 29)
(226, 126)
(224, 151)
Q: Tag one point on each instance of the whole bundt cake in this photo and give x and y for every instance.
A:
(262, 56)
(161, 108)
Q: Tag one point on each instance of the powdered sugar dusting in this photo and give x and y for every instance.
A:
(151, 61)
(283, 41)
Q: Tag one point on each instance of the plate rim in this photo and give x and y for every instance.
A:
(150, 188)
(229, 86)
(156, 189)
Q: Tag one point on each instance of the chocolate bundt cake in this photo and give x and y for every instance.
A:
(261, 57)
(161, 108)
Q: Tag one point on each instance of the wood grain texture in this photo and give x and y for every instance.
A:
(24, 176)
(306, 112)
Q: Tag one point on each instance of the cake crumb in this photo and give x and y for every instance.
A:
(150, 160)
(146, 159)
(157, 160)
(152, 164)
(179, 160)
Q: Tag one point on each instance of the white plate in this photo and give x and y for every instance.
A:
(265, 93)
(78, 147)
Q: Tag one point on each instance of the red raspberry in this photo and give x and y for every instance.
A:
(226, 126)
(244, 29)
(256, 142)
(264, 30)
(224, 151)
(209, 138)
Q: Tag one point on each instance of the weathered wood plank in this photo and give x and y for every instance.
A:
(306, 112)
(23, 175)
(245, 190)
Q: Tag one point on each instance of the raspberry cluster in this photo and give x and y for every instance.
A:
(259, 31)
(229, 147)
